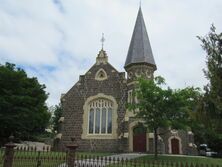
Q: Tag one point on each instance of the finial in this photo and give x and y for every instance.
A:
(11, 138)
(140, 3)
(102, 40)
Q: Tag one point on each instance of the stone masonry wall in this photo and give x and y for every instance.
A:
(74, 99)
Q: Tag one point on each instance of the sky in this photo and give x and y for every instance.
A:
(58, 40)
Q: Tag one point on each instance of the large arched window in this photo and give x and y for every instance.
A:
(100, 116)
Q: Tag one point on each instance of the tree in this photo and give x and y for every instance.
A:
(57, 113)
(163, 108)
(209, 114)
(23, 111)
(212, 44)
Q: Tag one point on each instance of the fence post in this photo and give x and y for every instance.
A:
(71, 153)
(9, 153)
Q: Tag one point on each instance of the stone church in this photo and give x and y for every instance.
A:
(95, 113)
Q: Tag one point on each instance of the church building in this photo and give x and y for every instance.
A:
(95, 113)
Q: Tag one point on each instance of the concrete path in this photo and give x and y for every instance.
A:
(182, 155)
(127, 156)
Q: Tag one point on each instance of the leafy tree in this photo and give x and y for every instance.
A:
(163, 108)
(23, 111)
(57, 113)
(212, 44)
(209, 114)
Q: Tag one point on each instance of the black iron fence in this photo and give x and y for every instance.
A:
(29, 156)
(13, 156)
(1, 157)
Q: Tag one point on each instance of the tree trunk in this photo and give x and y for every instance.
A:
(155, 143)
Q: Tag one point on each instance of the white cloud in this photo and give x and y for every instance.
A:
(28, 33)
(58, 40)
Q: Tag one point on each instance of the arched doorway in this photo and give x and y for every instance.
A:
(139, 138)
(175, 147)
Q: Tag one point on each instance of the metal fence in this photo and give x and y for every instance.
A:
(1, 157)
(91, 161)
(31, 157)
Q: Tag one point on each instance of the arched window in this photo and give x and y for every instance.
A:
(100, 117)
(101, 75)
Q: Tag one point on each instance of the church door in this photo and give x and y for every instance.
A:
(175, 146)
(139, 139)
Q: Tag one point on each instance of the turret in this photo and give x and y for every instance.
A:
(140, 60)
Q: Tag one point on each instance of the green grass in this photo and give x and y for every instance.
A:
(189, 159)
(93, 154)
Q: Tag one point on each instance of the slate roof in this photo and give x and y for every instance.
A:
(140, 49)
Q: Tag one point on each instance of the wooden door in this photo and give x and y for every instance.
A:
(139, 139)
(175, 146)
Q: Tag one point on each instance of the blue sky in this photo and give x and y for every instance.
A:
(58, 40)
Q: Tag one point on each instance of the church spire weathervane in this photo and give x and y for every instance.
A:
(102, 40)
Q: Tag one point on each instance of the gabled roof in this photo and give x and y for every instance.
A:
(140, 49)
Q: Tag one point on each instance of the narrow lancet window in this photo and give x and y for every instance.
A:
(103, 130)
(97, 122)
(91, 120)
(109, 130)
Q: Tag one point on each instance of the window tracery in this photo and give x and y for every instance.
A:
(100, 117)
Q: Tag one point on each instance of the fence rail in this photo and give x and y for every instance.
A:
(31, 157)
(1, 157)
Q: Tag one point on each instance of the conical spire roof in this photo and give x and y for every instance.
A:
(140, 49)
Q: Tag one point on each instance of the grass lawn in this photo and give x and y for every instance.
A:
(93, 154)
(183, 159)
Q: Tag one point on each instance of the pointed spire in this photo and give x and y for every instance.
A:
(140, 49)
